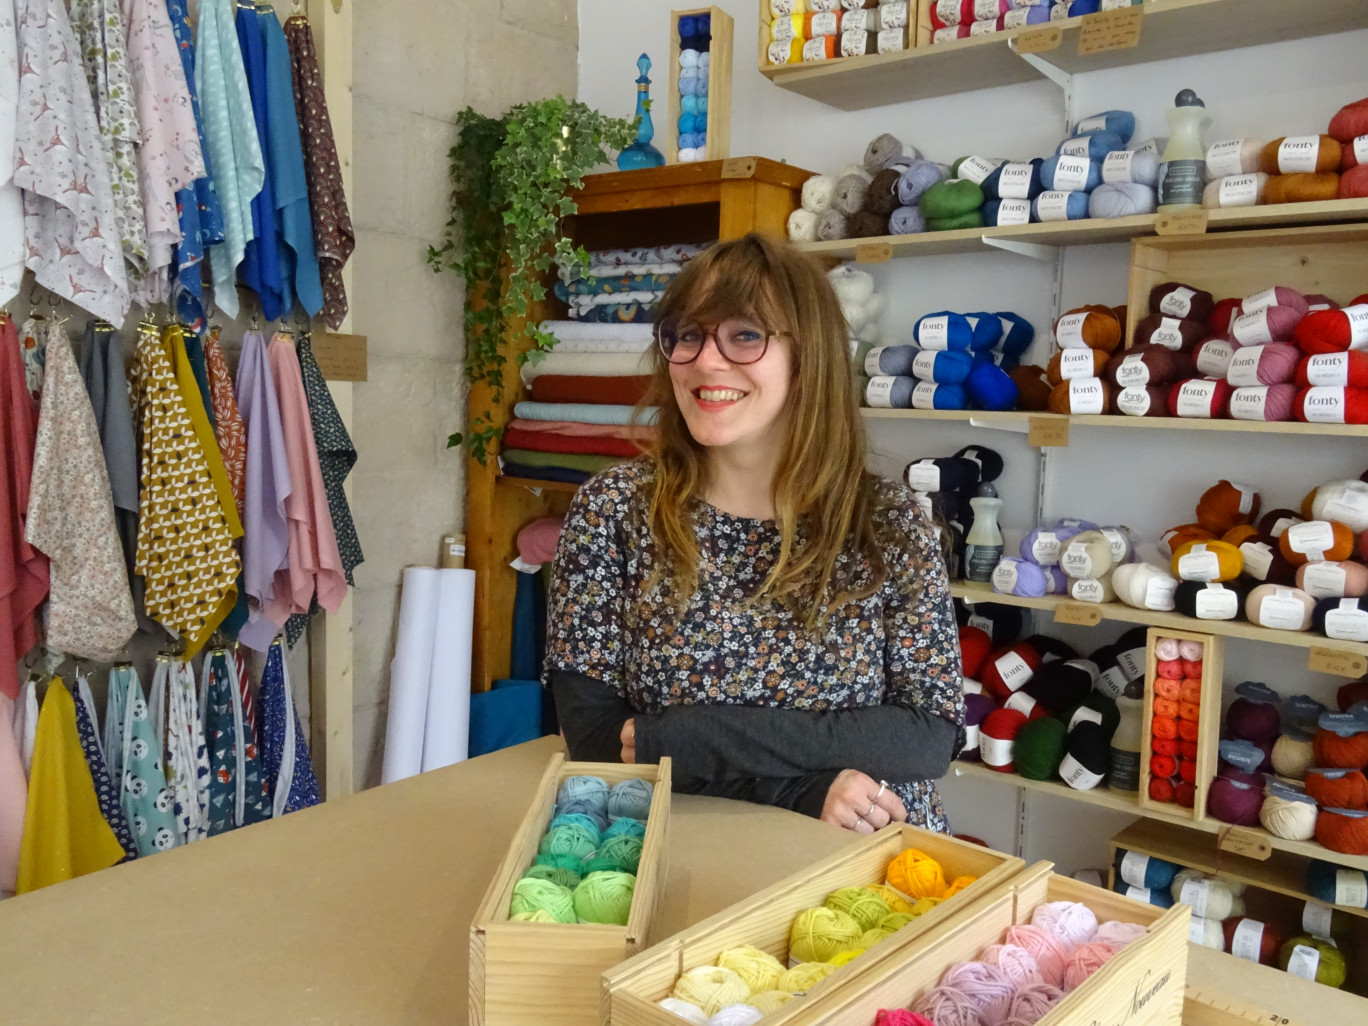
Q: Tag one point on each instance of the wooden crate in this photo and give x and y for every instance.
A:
(631, 990)
(719, 85)
(535, 974)
(1141, 986)
(1329, 260)
(1209, 723)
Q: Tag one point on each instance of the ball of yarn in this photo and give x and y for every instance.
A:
(1018, 964)
(1350, 121)
(977, 709)
(1039, 748)
(1017, 181)
(1302, 188)
(1333, 579)
(571, 862)
(1316, 540)
(849, 195)
(758, 969)
(1328, 959)
(986, 986)
(1264, 402)
(1233, 802)
(1083, 961)
(1087, 555)
(1271, 605)
(737, 1015)
(1002, 622)
(1292, 757)
(1200, 398)
(1242, 190)
(1140, 401)
(1033, 390)
(891, 897)
(819, 933)
(885, 150)
(1252, 721)
(1353, 183)
(1207, 561)
(618, 854)
(1175, 299)
(1259, 327)
(1251, 940)
(605, 897)
(587, 795)
(1225, 505)
(1207, 933)
(1080, 396)
(566, 878)
(915, 179)
(1071, 921)
(685, 1010)
(1338, 788)
(900, 1017)
(818, 192)
(1044, 946)
(1146, 363)
(960, 222)
(946, 1006)
(1330, 331)
(1291, 820)
(1210, 600)
(804, 976)
(1331, 405)
(1297, 154)
(950, 199)
(1061, 684)
(882, 195)
(573, 839)
(997, 740)
(625, 827)
(770, 1001)
(1267, 364)
(906, 221)
(710, 988)
(1173, 333)
(631, 798)
(577, 818)
(1008, 670)
(916, 875)
(1336, 885)
(990, 387)
(537, 915)
(865, 224)
(1076, 363)
(1118, 933)
(1093, 327)
(1144, 586)
(831, 226)
(861, 904)
(531, 895)
(1211, 358)
(1122, 199)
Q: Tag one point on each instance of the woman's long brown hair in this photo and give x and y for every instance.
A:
(821, 482)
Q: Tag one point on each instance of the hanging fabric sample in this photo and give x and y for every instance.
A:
(26, 722)
(105, 791)
(333, 237)
(284, 752)
(266, 539)
(33, 347)
(11, 199)
(134, 755)
(71, 226)
(65, 836)
(236, 797)
(71, 517)
(13, 798)
(336, 457)
(185, 532)
(257, 803)
(201, 220)
(234, 149)
(23, 568)
(169, 155)
(228, 427)
(174, 711)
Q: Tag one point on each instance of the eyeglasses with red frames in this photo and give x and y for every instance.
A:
(739, 341)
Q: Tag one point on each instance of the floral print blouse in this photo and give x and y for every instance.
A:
(896, 646)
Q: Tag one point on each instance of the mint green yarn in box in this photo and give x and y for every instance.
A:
(569, 862)
(576, 819)
(617, 854)
(625, 827)
(530, 894)
(578, 841)
(604, 897)
(567, 878)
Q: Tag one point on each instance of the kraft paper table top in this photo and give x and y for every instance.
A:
(358, 911)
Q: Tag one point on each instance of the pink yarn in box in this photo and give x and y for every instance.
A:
(1047, 949)
(1071, 921)
(1083, 961)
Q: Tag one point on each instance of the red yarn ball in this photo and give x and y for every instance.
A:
(1187, 771)
(1161, 789)
(1201, 398)
(1187, 749)
(1265, 935)
(1349, 791)
(1007, 670)
(1222, 314)
(975, 644)
(997, 739)
(1329, 404)
(1352, 693)
(1163, 766)
(1350, 368)
(1345, 834)
(1353, 184)
(1185, 794)
(1328, 331)
(1329, 749)
(1350, 121)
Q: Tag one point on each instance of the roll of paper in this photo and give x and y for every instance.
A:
(446, 737)
(410, 673)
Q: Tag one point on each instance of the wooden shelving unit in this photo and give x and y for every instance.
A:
(1284, 872)
(1022, 418)
(1119, 801)
(1169, 28)
(1093, 231)
(697, 202)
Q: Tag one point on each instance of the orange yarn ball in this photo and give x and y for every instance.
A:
(1299, 542)
(1164, 726)
(1191, 690)
(1189, 711)
(1349, 791)
(917, 875)
(1305, 188)
(1033, 390)
(1081, 396)
(1187, 730)
(1161, 789)
(1176, 537)
(1165, 688)
(1054, 373)
(1329, 749)
(1166, 707)
(1093, 326)
(1345, 834)
(1328, 155)
(1240, 534)
(1225, 506)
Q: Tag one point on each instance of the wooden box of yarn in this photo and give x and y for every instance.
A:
(765, 920)
(547, 973)
(1327, 260)
(1181, 737)
(1141, 984)
(711, 118)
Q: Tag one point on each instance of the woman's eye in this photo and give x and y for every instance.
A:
(747, 335)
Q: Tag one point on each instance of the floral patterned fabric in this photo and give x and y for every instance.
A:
(11, 199)
(71, 517)
(334, 239)
(228, 428)
(71, 225)
(898, 646)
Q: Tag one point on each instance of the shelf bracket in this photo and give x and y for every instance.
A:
(1034, 250)
(1059, 77)
(1020, 427)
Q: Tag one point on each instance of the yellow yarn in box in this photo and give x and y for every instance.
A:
(958, 884)
(819, 933)
(925, 905)
(871, 937)
(896, 902)
(769, 1000)
(759, 969)
(841, 958)
(916, 875)
(861, 904)
(711, 988)
(895, 921)
(804, 976)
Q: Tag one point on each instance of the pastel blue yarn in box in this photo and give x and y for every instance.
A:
(630, 799)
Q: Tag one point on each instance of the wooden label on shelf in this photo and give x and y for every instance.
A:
(1182, 222)
(1336, 662)
(1040, 40)
(1048, 432)
(1111, 30)
(1253, 844)
(341, 357)
(738, 167)
(1084, 614)
(873, 253)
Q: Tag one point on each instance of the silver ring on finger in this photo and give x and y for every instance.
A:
(883, 786)
(858, 821)
(872, 806)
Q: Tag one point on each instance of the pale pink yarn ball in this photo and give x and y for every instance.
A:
(1071, 921)
(1117, 933)
(1016, 962)
(946, 1006)
(1047, 949)
(1083, 961)
(985, 985)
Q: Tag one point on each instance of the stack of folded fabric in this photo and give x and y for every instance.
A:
(622, 286)
(580, 415)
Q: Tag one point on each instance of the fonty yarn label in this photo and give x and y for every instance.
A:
(1085, 396)
(934, 332)
(1251, 329)
(1261, 300)
(1134, 401)
(1076, 562)
(1078, 146)
(1132, 372)
(1071, 173)
(924, 396)
(1298, 153)
(1244, 367)
(1013, 211)
(1328, 368)
(1249, 403)
(1013, 670)
(1223, 159)
(1194, 398)
(923, 367)
(1089, 591)
(1076, 363)
(1069, 331)
(1045, 548)
(977, 169)
(1358, 325)
(1177, 303)
(1239, 191)
(879, 391)
(1214, 357)
(1015, 181)
(1169, 334)
(1053, 205)
(1116, 167)
(1324, 405)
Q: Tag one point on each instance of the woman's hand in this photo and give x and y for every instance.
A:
(628, 737)
(858, 802)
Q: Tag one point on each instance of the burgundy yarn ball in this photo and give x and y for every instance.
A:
(1253, 721)
(1231, 803)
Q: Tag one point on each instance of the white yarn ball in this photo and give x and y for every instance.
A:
(802, 226)
(686, 1011)
(1211, 934)
(1144, 586)
(736, 1015)
(853, 286)
(817, 193)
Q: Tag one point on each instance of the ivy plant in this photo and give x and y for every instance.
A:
(511, 192)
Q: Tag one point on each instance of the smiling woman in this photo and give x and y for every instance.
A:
(747, 599)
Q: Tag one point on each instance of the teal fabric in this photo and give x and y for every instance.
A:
(133, 754)
(236, 797)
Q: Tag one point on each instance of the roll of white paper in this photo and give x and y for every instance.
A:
(410, 672)
(446, 737)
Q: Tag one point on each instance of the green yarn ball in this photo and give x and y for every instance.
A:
(574, 839)
(863, 906)
(819, 933)
(575, 818)
(1040, 746)
(973, 219)
(625, 851)
(954, 198)
(1330, 970)
(605, 897)
(569, 862)
(895, 921)
(567, 878)
(626, 826)
(537, 915)
(531, 894)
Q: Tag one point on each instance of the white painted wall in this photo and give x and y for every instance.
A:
(1149, 480)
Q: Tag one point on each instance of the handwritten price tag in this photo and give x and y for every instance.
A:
(341, 357)
(1083, 614)
(1048, 432)
(1242, 841)
(873, 253)
(1183, 222)
(1039, 40)
(738, 167)
(1333, 661)
(1111, 30)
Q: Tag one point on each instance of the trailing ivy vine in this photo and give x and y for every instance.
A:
(511, 183)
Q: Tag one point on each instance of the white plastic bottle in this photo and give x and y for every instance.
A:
(1182, 172)
(1126, 742)
(983, 547)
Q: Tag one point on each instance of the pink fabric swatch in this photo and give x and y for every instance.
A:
(13, 798)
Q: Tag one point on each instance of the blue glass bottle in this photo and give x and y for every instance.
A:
(641, 153)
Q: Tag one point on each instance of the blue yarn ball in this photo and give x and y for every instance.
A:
(1321, 878)
(701, 123)
(625, 826)
(1158, 896)
(991, 387)
(906, 221)
(702, 103)
(993, 207)
(947, 397)
(701, 86)
(1159, 873)
(986, 329)
(1077, 8)
(689, 104)
(916, 178)
(1076, 207)
(689, 141)
(958, 333)
(949, 368)
(585, 795)
(686, 123)
(1120, 123)
(703, 24)
(1018, 338)
(688, 25)
(630, 799)
(990, 184)
(688, 82)
(1122, 199)
(1047, 175)
(1098, 144)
